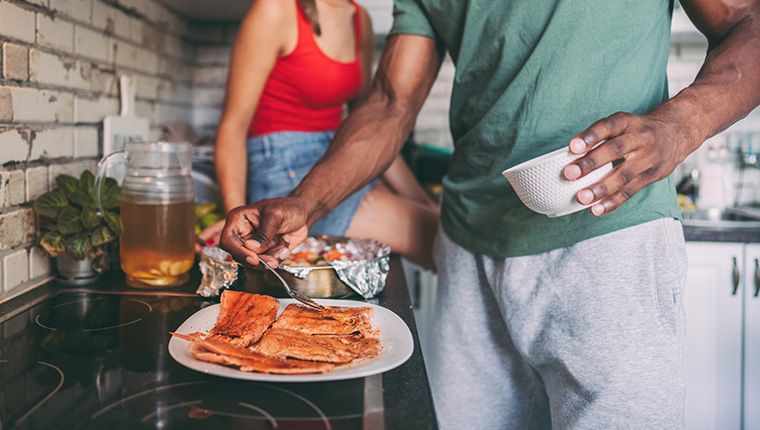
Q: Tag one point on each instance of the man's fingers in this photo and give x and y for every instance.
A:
(610, 204)
(614, 190)
(611, 184)
(607, 152)
(239, 252)
(267, 232)
(238, 226)
(606, 128)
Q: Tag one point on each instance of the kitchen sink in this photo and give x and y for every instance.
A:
(741, 217)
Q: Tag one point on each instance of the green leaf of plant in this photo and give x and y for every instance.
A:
(113, 221)
(82, 199)
(110, 194)
(52, 243)
(101, 236)
(87, 182)
(67, 183)
(50, 204)
(69, 221)
(78, 246)
(90, 218)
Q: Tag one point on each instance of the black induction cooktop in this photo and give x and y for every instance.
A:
(94, 359)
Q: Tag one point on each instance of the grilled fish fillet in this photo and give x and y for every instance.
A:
(216, 349)
(285, 343)
(245, 317)
(328, 321)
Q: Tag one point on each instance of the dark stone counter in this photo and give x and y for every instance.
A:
(97, 358)
(718, 234)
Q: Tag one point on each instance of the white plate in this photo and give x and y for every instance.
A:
(395, 338)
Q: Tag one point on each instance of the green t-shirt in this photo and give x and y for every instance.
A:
(530, 75)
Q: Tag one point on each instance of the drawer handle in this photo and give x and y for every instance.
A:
(757, 277)
(736, 277)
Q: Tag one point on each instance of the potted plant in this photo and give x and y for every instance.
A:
(74, 230)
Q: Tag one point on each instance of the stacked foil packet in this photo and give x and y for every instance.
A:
(219, 271)
(364, 268)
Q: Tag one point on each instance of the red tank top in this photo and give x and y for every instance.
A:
(306, 89)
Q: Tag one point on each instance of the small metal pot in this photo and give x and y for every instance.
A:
(322, 282)
(71, 271)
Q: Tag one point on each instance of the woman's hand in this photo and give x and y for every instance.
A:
(211, 234)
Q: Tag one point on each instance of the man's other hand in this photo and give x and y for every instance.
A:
(650, 147)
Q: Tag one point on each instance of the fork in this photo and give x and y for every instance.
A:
(292, 293)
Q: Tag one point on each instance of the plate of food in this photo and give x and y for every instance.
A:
(260, 338)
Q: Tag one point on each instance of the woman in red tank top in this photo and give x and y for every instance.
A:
(295, 67)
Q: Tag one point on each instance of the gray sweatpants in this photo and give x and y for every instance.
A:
(585, 337)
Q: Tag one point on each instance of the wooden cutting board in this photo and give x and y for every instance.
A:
(127, 126)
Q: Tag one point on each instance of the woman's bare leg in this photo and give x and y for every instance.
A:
(406, 225)
(401, 181)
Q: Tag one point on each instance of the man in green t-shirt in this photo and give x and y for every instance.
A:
(571, 322)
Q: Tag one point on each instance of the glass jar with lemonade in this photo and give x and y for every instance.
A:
(157, 213)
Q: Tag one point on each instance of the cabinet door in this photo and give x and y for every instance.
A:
(422, 292)
(752, 337)
(713, 301)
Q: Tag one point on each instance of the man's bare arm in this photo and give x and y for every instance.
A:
(373, 134)
(726, 89)
(363, 147)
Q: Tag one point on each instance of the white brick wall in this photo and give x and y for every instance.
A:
(15, 62)
(60, 65)
(86, 141)
(55, 33)
(52, 143)
(16, 22)
(92, 110)
(39, 263)
(79, 10)
(11, 188)
(17, 227)
(14, 144)
(36, 182)
(22, 105)
(92, 44)
(15, 269)
(55, 70)
(110, 20)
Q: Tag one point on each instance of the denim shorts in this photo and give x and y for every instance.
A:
(277, 162)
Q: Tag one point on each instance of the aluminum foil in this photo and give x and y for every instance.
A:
(364, 268)
(218, 269)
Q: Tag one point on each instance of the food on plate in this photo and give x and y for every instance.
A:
(285, 343)
(245, 317)
(247, 336)
(330, 320)
(217, 349)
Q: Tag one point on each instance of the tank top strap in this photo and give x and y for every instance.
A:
(305, 31)
(357, 26)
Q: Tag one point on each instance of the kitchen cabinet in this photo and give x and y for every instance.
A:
(752, 337)
(713, 302)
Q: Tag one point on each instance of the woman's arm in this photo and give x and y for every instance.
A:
(367, 51)
(262, 38)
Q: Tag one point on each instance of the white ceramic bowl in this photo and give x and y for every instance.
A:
(540, 185)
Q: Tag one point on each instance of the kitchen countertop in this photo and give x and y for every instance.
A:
(718, 234)
(97, 358)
